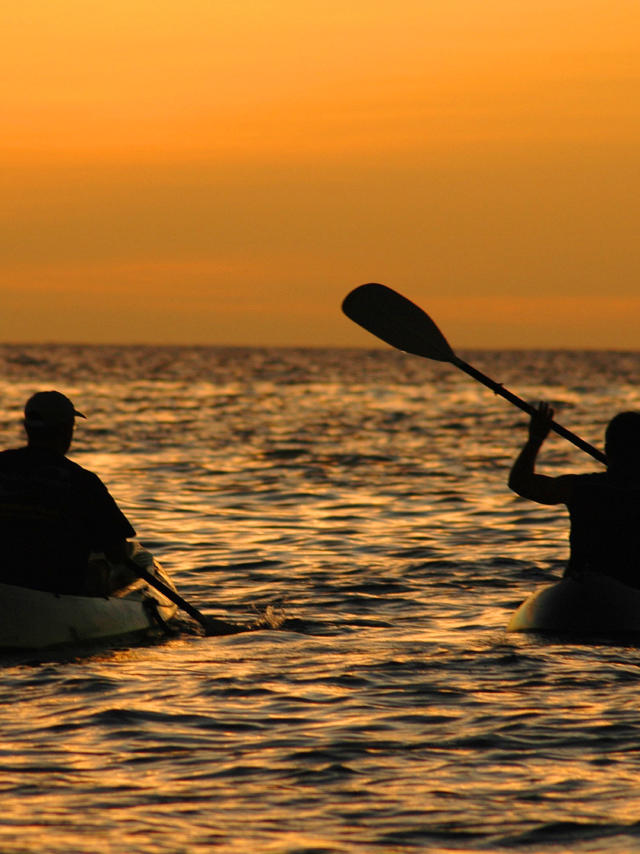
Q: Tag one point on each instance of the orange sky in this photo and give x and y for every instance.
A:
(216, 172)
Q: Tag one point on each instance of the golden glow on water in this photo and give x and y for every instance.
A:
(362, 494)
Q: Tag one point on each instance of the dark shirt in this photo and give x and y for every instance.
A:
(605, 527)
(53, 514)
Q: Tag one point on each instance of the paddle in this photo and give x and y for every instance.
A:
(396, 320)
(210, 625)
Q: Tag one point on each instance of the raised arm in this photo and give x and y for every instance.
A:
(523, 478)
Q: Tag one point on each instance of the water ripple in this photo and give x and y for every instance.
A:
(362, 496)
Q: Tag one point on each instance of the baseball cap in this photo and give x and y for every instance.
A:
(50, 407)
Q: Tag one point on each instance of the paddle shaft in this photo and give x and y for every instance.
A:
(498, 388)
(167, 591)
(211, 625)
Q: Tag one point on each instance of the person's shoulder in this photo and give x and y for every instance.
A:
(10, 453)
(587, 484)
(81, 474)
(591, 478)
(11, 456)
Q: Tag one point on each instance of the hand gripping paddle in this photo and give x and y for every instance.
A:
(396, 320)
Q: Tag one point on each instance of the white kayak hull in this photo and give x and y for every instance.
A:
(36, 619)
(592, 605)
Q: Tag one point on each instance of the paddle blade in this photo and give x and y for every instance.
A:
(395, 319)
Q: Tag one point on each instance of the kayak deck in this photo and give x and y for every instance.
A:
(35, 619)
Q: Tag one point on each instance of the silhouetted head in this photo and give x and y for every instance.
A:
(622, 441)
(49, 417)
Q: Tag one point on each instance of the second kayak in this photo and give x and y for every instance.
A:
(591, 605)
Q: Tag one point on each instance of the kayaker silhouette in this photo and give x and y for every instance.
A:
(53, 512)
(604, 507)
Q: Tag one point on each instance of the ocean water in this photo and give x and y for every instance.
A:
(361, 496)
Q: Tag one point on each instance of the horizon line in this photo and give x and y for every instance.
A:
(351, 347)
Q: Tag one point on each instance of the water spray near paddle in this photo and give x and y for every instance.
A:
(401, 323)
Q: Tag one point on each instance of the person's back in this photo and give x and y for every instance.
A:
(605, 527)
(53, 512)
(604, 507)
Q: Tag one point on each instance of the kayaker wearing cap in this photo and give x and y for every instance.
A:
(53, 512)
(604, 507)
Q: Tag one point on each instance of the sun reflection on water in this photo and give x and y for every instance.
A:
(366, 498)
